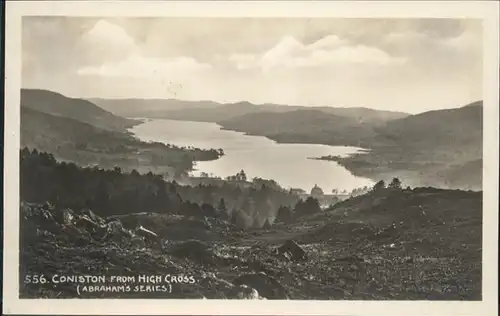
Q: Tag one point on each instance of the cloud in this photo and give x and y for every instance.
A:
(329, 50)
(137, 66)
(417, 44)
(116, 54)
(380, 63)
(106, 41)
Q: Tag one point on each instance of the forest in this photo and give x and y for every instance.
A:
(115, 192)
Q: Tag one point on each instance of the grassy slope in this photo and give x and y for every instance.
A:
(432, 253)
(72, 140)
(304, 126)
(437, 148)
(82, 110)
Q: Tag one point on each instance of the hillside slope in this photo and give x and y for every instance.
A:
(303, 126)
(421, 244)
(85, 144)
(441, 148)
(78, 109)
(439, 128)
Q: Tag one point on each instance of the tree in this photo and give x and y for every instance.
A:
(134, 173)
(208, 210)
(395, 184)
(284, 215)
(222, 209)
(242, 176)
(309, 206)
(267, 224)
(234, 217)
(379, 186)
(222, 206)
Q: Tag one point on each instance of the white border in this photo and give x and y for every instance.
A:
(486, 10)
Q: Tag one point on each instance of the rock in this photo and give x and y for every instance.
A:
(93, 217)
(138, 242)
(34, 216)
(215, 287)
(116, 233)
(292, 251)
(67, 217)
(266, 286)
(150, 237)
(244, 292)
(85, 223)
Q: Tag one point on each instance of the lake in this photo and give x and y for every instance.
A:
(287, 164)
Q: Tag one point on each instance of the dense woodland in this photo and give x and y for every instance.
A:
(113, 192)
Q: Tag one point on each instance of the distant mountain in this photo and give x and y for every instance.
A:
(364, 115)
(78, 109)
(148, 107)
(436, 148)
(208, 111)
(303, 126)
(439, 128)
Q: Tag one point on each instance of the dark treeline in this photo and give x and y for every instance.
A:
(114, 192)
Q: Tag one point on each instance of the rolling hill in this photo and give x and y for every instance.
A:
(304, 126)
(78, 109)
(209, 111)
(439, 128)
(71, 140)
(438, 148)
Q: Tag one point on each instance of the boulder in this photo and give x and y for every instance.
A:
(268, 287)
(67, 217)
(244, 292)
(115, 232)
(93, 217)
(34, 216)
(150, 237)
(85, 223)
(138, 242)
(292, 251)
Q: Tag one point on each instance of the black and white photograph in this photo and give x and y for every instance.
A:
(265, 158)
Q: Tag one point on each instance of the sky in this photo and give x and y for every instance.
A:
(411, 65)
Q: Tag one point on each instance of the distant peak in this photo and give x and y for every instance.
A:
(243, 103)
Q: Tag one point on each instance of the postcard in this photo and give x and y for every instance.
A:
(251, 158)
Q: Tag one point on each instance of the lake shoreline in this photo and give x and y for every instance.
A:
(385, 162)
(259, 156)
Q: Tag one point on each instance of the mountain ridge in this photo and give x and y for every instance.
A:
(82, 110)
(210, 111)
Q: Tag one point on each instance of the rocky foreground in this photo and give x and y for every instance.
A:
(421, 244)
